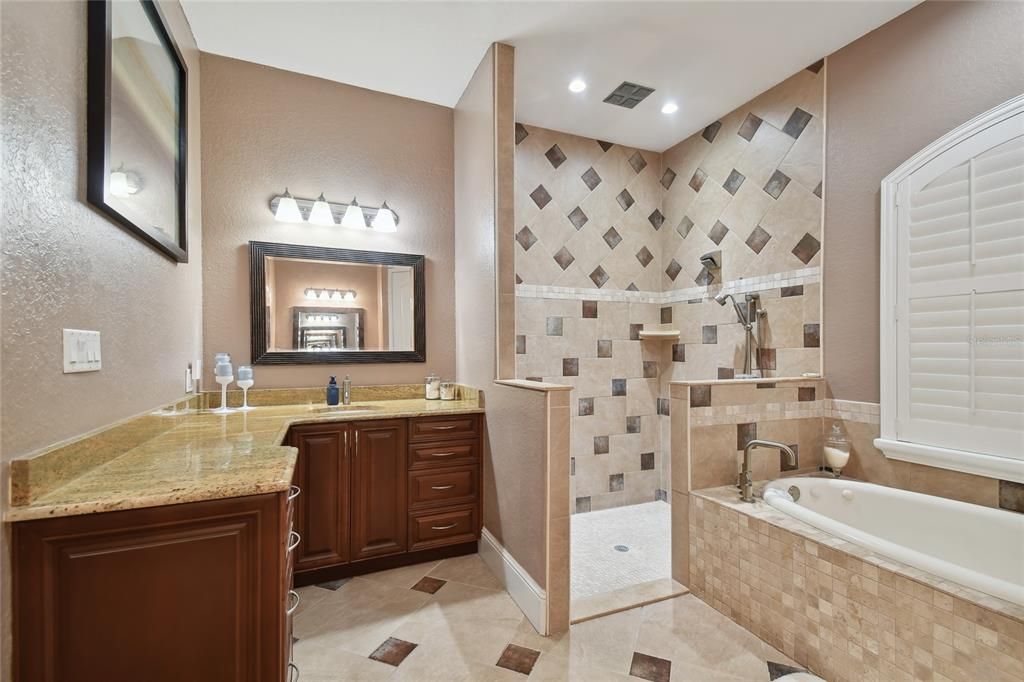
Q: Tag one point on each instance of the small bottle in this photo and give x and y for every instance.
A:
(837, 449)
(332, 391)
(432, 387)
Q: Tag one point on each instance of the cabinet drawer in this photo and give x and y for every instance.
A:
(447, 428)
(446, 527)
(435, 487)
(443, 454)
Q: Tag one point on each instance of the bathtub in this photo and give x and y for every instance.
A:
(975, 546)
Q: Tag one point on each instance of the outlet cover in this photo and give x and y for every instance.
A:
(81, 351)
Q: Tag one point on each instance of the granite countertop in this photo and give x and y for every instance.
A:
(173, 457)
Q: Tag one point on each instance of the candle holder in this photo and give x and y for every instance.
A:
(223, 375)
(245, 382)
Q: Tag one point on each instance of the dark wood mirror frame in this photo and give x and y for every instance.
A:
(262, 355)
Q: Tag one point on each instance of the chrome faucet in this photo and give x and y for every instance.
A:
(346, 391)
(746, 479)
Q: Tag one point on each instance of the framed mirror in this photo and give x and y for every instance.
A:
(321, 305)
(137, 123)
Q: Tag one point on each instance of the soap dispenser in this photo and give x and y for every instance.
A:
(332, 391)
(837, 449)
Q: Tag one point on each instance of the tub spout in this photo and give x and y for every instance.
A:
(746, 479)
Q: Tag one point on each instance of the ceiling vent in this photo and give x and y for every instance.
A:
(628, 95)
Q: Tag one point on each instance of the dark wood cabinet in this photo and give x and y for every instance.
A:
(195, 591)
(323, 473)
(379, 507)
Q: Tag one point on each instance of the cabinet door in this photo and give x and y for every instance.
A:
(379, 485)
(323, 474)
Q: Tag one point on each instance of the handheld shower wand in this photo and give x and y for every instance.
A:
(747, 318)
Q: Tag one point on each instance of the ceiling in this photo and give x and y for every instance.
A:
(708, 57)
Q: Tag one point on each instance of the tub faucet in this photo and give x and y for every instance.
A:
(746, 479)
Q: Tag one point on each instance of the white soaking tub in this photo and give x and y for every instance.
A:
(974, 546)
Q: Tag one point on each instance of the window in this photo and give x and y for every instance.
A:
(952, 309)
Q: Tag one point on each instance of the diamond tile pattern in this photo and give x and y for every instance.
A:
(526, 238)
(591, 178)
(625, 199)
(555, 156)
(612, 238)
(656, 219)
(637, 161)
(667, 178)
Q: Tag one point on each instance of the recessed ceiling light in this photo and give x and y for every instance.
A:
(577, 85)
(669, 108)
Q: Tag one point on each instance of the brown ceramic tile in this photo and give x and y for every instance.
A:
(812, 338)
(600, 445)
(333, 585)
(555, 156)
(604, 348)
(554, 326)
(745, 433)
(599, 276)
(667, 178)
(578, 218)
(638, 162)
(718, 232)
(634, 331)
(766, 385)
(666, 314)
(570, 367)
(618, 387)
(650, 369)
(591, 179)
(564, 258)
(521, 133)
(625, 199)
(646, 461)
(650, 668)
(586, 407)
(612, 238)
(645, 256)
(757, 239)
(766, 358)
(540, 196)
(664, 407)
(582, 504)
(589, 309)
(777, 670)
(805, 393)
(616, 482)
(776, 184)
(1011, 496)
(429, 585)
(673, 269)
(678, 352)
(518, 659)
(393, 651)
(697, 181)
(806, 248)
(726, 373)
(709, 333)
(632, 287)
(656, 219)
(797, 290)
(749, 126)
(798, 120)
(605, 146)
(684, 227)
(526, 238)
(817, 191)
(733, 182)
(632, 424)
(815, 68)
(700, 396)
(711, 132)
(520, 344)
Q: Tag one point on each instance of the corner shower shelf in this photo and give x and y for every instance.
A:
(660, 334)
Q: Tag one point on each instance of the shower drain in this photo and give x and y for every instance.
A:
(621, 548)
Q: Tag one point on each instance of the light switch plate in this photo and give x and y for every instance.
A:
(81, 351)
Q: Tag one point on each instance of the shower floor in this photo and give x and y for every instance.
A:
(598, 567)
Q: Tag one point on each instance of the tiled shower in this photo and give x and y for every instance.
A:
(609, 245)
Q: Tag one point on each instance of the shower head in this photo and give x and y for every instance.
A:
(722, 297)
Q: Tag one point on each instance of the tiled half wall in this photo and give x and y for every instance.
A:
(608, 244)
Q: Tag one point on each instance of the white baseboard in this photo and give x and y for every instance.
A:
(524, 590)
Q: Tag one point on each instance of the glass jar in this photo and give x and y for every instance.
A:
(837, 449)
(432, 387)
(447, 390)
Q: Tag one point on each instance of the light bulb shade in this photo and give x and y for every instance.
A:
(354, 217)
(335, 295)
(321, 212)
(350, 295)
(384, 221)
(288, 209)
(310, 294)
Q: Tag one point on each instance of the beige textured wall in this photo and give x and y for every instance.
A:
(65, 265)
(268, 129)
(889, 94)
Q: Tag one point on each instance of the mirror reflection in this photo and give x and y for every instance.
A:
(326, 306)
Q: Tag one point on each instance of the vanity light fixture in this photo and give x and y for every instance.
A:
(329, 294)
(669, 108)
(321, 214)
(288, 209)
(577, 85)
(385, 220)
(354, 217)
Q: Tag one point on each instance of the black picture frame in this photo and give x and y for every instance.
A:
(98, 128)
(259, 330)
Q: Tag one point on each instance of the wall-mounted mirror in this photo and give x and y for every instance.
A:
(319, 305)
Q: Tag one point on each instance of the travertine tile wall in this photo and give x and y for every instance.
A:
(846, 618)
(609, 239)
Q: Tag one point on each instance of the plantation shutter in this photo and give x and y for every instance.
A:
(960, 296)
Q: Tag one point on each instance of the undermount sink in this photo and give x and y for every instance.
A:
(345, 408)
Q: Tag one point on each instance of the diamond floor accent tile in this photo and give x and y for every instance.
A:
(393, 651)
(333, 585)
(519, 659)
(429, 585)
(650, 668)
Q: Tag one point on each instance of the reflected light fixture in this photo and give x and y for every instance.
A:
(669, 108)
(384, 221)
(288, 209)
(123, 184)
(350, 295)
(354, 217)
(321, 212)
(577, 85)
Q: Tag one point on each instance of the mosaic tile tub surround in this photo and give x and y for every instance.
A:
(842, 611)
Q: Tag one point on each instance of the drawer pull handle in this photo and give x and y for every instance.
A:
(292, 668)
(294, 539)
(444, 428)
(442, 454)
(442, 487)
(448, 527)
(295, 602)
(293, 492)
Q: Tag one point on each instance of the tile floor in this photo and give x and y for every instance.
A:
(598, 567)
(450, 621)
